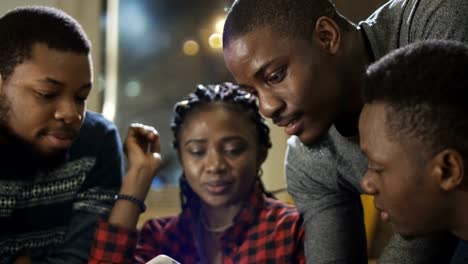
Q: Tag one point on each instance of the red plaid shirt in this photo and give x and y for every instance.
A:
(264, 231)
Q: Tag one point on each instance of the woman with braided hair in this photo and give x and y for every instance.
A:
(227, 216)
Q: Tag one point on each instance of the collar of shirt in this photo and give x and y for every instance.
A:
(244, 219)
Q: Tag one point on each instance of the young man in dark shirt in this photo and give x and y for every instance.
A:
(413, 129)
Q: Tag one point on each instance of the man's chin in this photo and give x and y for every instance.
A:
(309, 138)
(407, 233)
(51, 160)
(31, 158)
(407, 236)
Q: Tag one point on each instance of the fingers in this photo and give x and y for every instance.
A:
(146, 136)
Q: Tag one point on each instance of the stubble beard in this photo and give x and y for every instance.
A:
(21, 153)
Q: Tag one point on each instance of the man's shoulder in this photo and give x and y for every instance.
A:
(328, 141)
(332, 157)
(95, 127)
(96, 121)
(383, 27)
(295, 143)
(96, 131)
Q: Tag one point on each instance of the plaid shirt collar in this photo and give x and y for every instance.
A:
(245, 218)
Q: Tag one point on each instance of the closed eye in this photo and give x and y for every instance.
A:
(375, 170)
(196, 153)
(277, 76)
(45, 95)
(81, 99)
(234, 151)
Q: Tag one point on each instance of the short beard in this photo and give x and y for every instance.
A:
(20, 154)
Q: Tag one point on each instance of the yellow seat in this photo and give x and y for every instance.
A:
(371, 216)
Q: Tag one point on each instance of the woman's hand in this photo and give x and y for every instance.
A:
(142, 148)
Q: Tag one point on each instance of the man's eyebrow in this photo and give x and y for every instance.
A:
(55, 82)
(52, 81)
(260, 72)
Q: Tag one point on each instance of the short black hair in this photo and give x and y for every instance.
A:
(23, 27)
(424, 88)
(289, 18)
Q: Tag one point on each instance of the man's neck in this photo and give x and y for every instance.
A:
(460, 215)
(357, 56)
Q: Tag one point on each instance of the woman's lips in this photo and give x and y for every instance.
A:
(217, 188)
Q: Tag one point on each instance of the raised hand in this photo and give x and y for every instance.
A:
(142, 148)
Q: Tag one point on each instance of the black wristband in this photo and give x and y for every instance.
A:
(132, 199)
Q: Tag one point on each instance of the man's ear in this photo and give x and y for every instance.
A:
(328, 34)
(448, 169)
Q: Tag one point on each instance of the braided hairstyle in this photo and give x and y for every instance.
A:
(225, 93)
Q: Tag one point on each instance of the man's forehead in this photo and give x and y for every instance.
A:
(244, 47)
(370, 122)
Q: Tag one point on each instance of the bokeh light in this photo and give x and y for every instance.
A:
(219, 24)
(216, 41)
(190, 48)
(133, 89)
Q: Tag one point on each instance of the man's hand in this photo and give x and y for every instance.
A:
(142, 148)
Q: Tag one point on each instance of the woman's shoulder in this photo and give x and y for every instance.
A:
(277, 209)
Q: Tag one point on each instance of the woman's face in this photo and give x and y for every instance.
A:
(220, 154)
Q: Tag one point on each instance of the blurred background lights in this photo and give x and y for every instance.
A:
(133, 89)
(219, 24)
(190, 48)
(216, 41)
(133, 20)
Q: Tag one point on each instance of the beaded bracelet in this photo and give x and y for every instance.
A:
(132, 199)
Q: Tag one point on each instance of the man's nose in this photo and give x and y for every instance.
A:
(270, 104)
(368, 185)
(69, 112)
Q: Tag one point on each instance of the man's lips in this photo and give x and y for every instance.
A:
(60, 139)
(384, 215)
(291, 124)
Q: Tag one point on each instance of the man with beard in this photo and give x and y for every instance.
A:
(61, 165)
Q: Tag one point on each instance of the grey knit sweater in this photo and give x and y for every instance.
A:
(324, 178)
